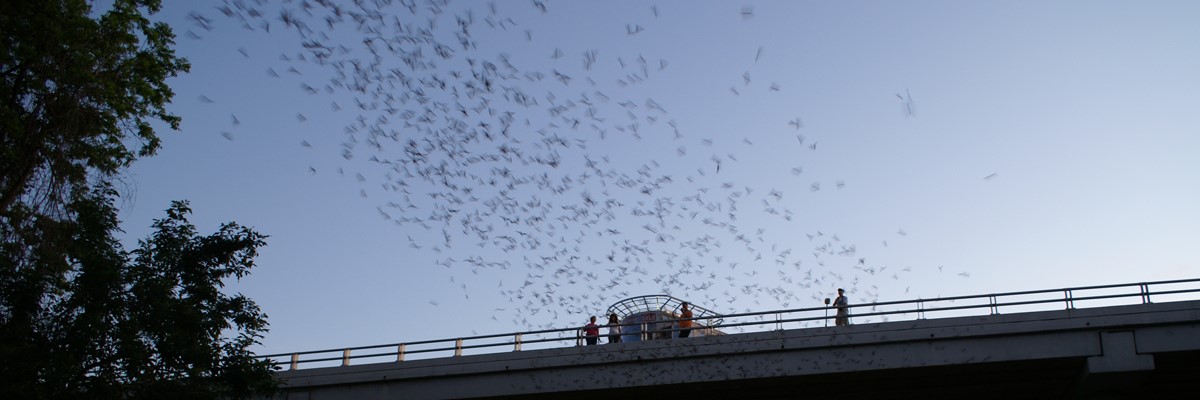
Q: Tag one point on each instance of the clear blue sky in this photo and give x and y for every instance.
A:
(960, 148)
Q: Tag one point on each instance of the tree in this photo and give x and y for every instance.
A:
(79, 95)
(81, 317)
(148, 323)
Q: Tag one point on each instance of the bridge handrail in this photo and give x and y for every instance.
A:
(516, 339)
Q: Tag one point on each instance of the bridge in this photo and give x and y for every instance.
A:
(1138, 339)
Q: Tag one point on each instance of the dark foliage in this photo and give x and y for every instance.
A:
(78, 96)
(87, 319)
(81, 317)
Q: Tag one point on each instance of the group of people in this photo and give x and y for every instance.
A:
(591, 331)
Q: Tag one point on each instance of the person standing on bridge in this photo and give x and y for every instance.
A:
(685, 323)
(843, 310)
(614, 331)
(591, 332)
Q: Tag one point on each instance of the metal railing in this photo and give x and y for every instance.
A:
(943, 307)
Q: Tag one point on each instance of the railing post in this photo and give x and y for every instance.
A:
(458, 347)
(295, 361)
(517, 343)
(778, 321)
(345, 357)
(1145, 293)
(400, 352)
(920, 309)
(578, 337)
(1069, 299)
(645, 335)
(992, 301)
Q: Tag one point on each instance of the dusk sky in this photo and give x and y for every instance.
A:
(739, 155)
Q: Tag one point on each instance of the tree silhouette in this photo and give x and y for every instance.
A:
(81, 317)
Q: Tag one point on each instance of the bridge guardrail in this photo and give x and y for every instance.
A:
(991, 304)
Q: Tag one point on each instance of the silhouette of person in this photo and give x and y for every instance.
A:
(685, 324)
(843, 312)
(614, 331)
(591, 332)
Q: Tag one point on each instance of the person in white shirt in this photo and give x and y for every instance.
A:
(843, 311)
(614, 331)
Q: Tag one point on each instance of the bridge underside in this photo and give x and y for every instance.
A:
(1174, 374)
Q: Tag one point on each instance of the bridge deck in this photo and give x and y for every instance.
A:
(1149, 348)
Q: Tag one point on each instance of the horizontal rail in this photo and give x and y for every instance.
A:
(1068, 298)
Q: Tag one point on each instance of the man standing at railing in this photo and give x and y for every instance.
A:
(591, 332)
(843, 312)
(685, 323)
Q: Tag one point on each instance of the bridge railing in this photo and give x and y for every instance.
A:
(942, 307)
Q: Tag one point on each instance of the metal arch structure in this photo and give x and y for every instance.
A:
(661, 303)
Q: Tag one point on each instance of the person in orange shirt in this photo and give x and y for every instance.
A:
(685, 324)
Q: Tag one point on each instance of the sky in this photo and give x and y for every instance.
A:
(745, 156)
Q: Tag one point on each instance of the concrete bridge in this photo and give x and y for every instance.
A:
(1150, 349)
